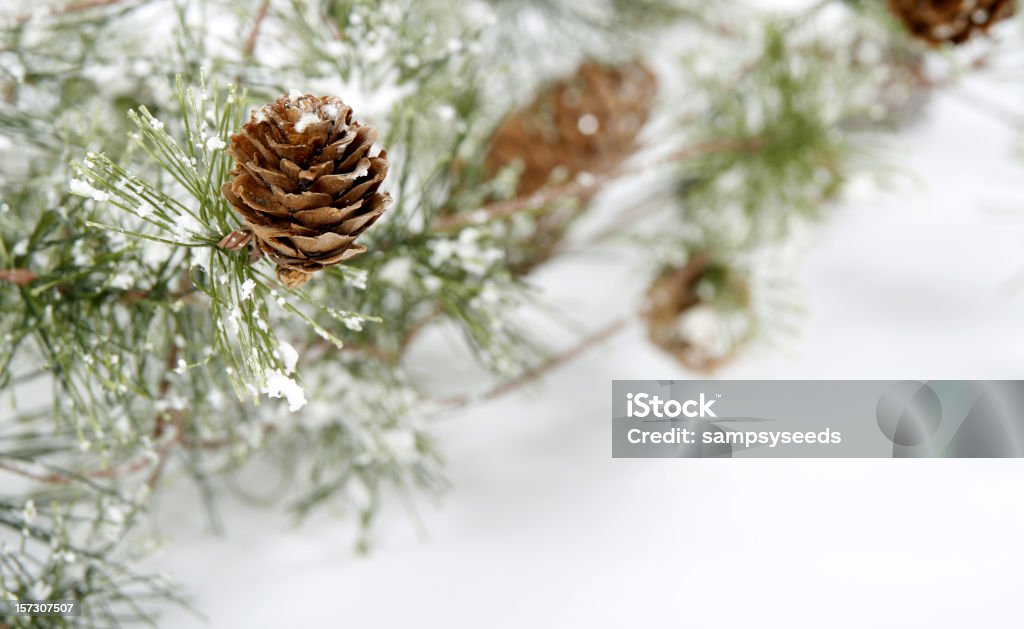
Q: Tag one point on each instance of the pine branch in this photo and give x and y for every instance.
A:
(250, 41)
(536, 373)
(576, 189)
(67, 9)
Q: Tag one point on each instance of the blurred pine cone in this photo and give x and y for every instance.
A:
(305, 183)
(953, 21)
(682, 322)
(585, 124)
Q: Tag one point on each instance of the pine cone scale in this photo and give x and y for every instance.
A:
(306, 184)
(321, 217)
(950, 21)
(272, 178)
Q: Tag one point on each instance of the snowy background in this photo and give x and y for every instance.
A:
(543, 529)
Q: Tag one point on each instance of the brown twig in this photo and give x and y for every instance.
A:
(14, 469)
(250, 42)
(165, 387)
(20, 277)
(74, 7)
(62, 478)
(543, 368)
(624, 220)
(504, 209)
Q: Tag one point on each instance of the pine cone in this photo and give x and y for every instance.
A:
(954, 21)
(587, 123)
(305, 183)
(673, 296)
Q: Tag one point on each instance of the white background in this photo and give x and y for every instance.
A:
(543, 529)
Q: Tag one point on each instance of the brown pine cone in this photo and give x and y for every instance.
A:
(673, 294)
(587, 123)
(953, 21)
(305, 183)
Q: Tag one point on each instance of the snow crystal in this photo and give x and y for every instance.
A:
(730, 182)
(588, 124)
(397, 271)
(156, 124)
(446, 112)
(358, 493)
(489, 296)
(279, 385)
(234, 316)
(702, 326)
(441, 251)
(21, 248)
(215, 144)
(432, 283)
(294, 94)
(306, 120)
(352, 323)
(358, 277)
(83, 189)
(401, 443)
(115, 515)
(289, 356)
(465, 250)
(121, 280)
(122, 425)
(331, 111)
(869, 53)
(181, 367)
(40, 591)
(29, 512)
(246, 290)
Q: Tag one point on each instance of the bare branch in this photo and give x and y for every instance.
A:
(542, 369)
